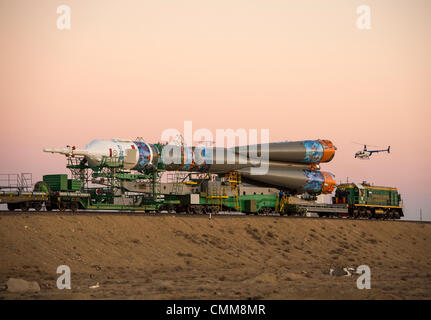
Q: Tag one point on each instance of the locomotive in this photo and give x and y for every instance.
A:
(367, 201)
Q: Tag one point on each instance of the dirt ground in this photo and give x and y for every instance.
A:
(146, 257)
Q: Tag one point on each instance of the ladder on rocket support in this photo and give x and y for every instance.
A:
(281, 203)
(234, 179)
(218, 194)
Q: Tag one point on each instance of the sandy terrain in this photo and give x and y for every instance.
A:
(144, 257)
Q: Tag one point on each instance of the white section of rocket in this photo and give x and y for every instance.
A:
(97, 149)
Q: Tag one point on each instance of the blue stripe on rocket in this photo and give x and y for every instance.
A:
(314, 181)
(144, 155)
(313, 151)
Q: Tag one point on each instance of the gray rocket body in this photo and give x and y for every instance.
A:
(292, 166)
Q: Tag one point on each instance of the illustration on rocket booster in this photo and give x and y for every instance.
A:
(291, 166)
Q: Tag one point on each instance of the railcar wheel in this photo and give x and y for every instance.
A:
(170, 209)
(37, 206)
(74, 206)
(62, 206)
(264, 211)
(214, 209)
(24, 206)
(11, 206)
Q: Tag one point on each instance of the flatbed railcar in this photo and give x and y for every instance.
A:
(193, 197)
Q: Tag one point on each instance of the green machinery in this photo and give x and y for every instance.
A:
(109, 187)
(369, 201)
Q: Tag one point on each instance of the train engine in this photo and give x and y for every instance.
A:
(366, 201)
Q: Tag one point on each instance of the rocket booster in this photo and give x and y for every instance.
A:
(292, 165)
(305, 180)
(307, 151)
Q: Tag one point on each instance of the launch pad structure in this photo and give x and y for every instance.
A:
(110, 186)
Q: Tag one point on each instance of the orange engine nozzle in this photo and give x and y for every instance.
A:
(328, 184)
(328, 150)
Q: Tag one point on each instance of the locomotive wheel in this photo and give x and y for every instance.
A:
(356, 214)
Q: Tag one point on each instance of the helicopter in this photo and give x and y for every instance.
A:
(366, 154)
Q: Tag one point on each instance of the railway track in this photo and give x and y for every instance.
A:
(181, 214)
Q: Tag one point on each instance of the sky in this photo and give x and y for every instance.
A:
(301, 69)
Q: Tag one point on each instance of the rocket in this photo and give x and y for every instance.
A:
(292, 166)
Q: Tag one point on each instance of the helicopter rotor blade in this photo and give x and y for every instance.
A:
(368, 145)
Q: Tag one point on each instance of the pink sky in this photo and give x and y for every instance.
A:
(299, 68)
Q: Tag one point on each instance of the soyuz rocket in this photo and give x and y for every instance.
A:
(292, 166)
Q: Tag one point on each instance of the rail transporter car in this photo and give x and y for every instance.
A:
(109, 187)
